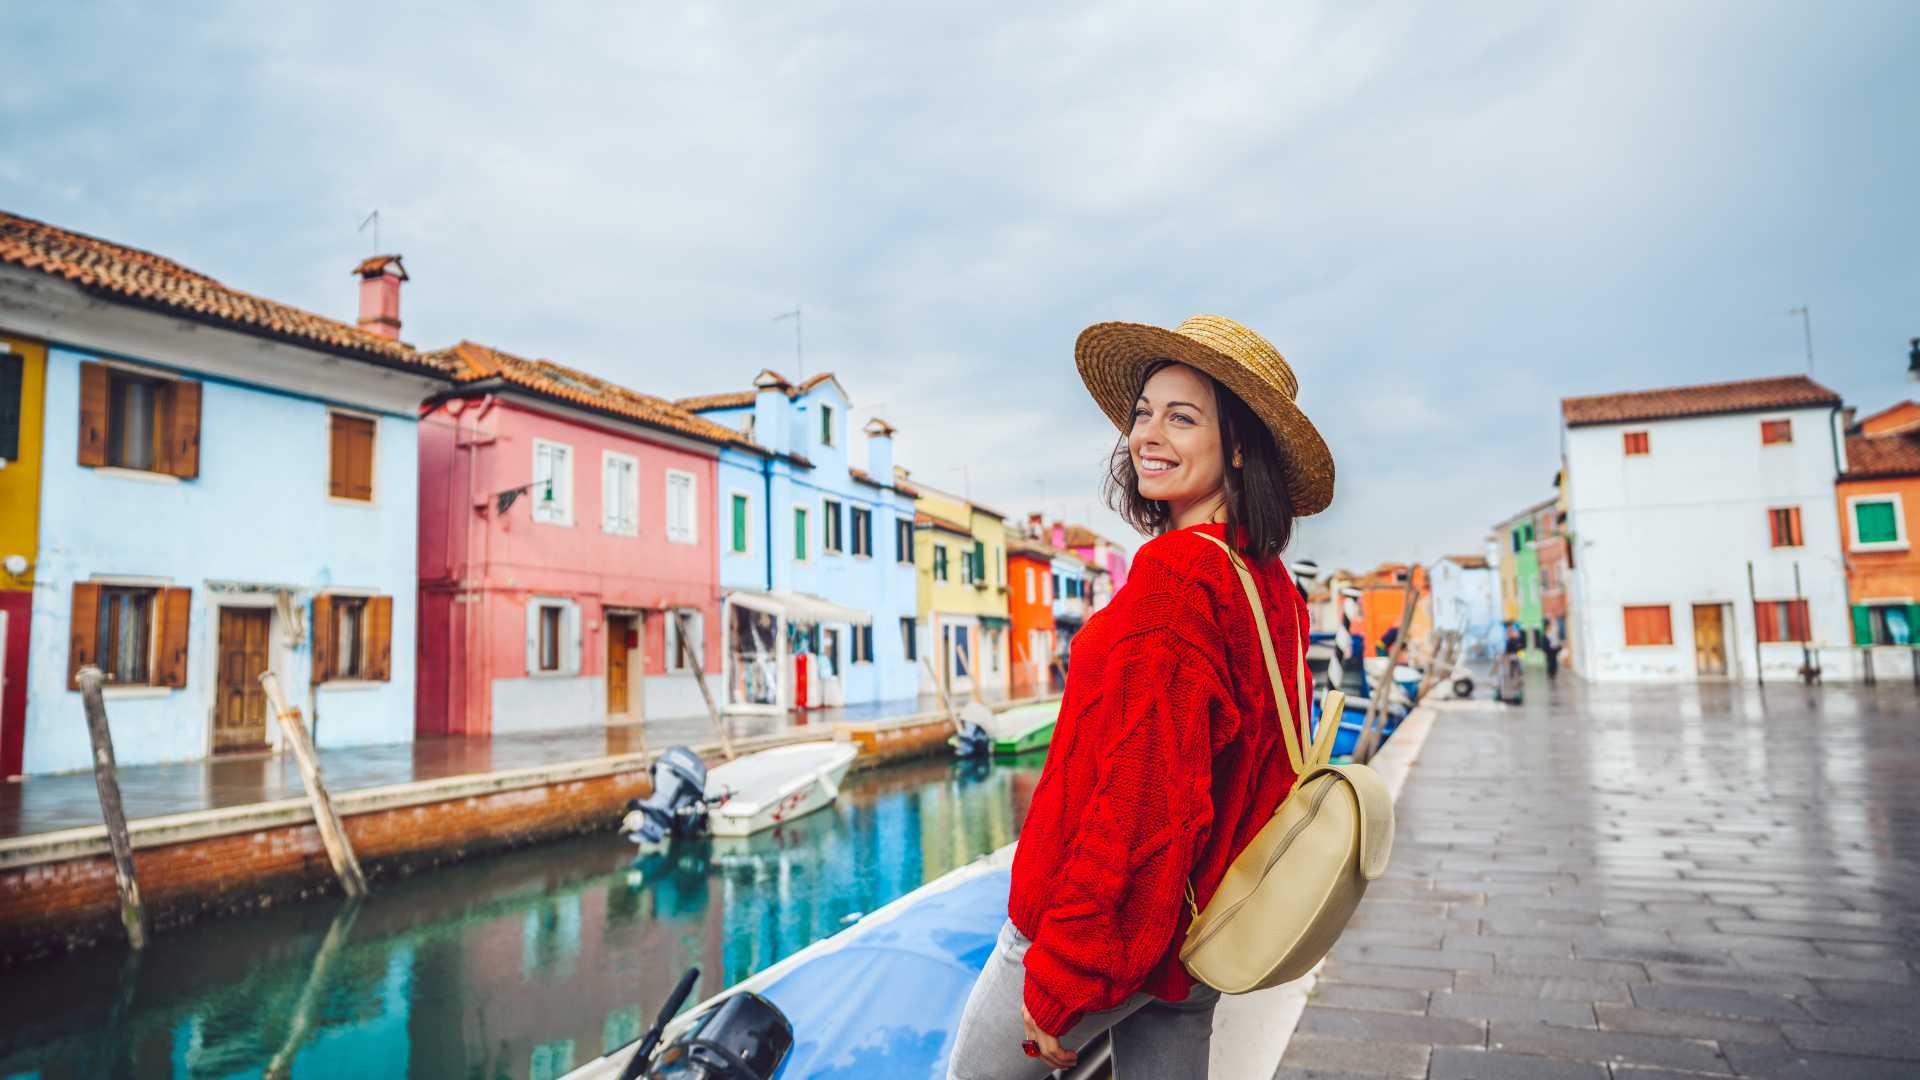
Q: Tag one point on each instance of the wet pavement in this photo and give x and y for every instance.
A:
(40, 804)
(1615, 882)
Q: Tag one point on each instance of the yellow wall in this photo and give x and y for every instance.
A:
(20, 480)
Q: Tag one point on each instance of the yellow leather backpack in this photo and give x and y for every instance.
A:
(1286, 896)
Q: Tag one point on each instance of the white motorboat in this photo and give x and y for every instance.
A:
(764, 789)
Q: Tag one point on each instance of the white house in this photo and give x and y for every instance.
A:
(1704, 532)
(1466, 598)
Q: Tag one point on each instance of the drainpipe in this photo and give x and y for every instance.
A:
(766, 507)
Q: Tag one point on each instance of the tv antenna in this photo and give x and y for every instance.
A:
(372, 219)
(799, 356)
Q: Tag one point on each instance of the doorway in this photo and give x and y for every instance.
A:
(240, 710)
(1709, 640)
(623, 642)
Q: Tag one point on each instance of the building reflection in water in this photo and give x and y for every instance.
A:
(524, 965)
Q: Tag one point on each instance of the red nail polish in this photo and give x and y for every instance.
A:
(1030, 1048)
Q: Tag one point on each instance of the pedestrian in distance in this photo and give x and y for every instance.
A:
(1162, 768)
(1551, 650)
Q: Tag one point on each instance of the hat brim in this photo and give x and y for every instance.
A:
(1111, 356)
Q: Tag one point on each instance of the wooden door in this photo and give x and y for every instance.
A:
(1709, 640)
(619, 648)
(240, 710)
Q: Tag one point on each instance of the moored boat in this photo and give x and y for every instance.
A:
(738, 798)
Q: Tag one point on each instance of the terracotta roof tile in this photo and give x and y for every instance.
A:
(734, 399)
(472, 362)
(1883, 455)
(130, 275)
(922, 519)
(865, 477)
(1467, 562)
(1749, 395)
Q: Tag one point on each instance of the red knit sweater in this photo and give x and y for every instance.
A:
(1166, 761)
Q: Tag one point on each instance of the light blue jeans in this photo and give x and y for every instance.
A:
(1151, 1038)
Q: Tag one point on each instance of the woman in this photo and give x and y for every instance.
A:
(1168, 755)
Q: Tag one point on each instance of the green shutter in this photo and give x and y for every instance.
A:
(1862, 625)
(1873, 523)
(799, 533)
(979, 561)
(739, 523)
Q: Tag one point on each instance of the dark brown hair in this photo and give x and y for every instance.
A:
(1259, 508)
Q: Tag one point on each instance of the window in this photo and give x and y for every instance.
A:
(1650, 624)
(1635, 442)
(552, 490)
(939, 562)
(862, 531)
(962, 664)
(826, 425)
(134, 421)
(1784, 523)
(696, 638)
(830, 536)
(992, 647)
(1774, 432)
(552, 623)
(1032, 586)
(126, 635)
(1056, 583)
(1879, 522)
(830, 651)
(863, 644)
(13, 374)
(135, 635)
(1046, 597)
(1781, 620)
(741, 505)
(350, 457)
(352, 637)
(619, 494)
(903, 540)
(909, 638)
(1885, 623)
(681, 507)
(800, 533)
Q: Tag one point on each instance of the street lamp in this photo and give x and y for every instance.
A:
(503, 501)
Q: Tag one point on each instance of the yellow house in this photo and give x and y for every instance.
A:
(960, 548)
(23, 380)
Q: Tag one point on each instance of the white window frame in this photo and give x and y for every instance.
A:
(609, 523)
(561, 511)
(826, 424)
(570, 644)
(1898, 543)
(747, 549)
(853, 531)
(690, 533)
(676, 663)
(1032, 591)
(833, 523)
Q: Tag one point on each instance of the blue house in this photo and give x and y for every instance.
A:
(229, 488)
(818, 600)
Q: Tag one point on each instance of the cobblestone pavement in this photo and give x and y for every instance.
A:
(1640, 882)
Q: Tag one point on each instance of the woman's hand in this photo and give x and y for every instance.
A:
(1051, 1051)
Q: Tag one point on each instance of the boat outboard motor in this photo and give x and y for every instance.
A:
(972, 740)
(744, 1037)
(678, 805)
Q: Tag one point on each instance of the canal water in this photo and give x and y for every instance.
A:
(518, 966)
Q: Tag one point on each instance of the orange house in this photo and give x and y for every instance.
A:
(1879, 503)
(1384, 593)
(1030, 613)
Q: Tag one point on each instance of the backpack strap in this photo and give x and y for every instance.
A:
(1301, 759)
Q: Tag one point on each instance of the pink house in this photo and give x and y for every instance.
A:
(565, 523)
(1098, 550)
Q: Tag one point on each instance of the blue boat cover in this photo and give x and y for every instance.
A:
(888, 1001)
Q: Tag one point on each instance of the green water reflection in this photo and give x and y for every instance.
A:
(523, 965)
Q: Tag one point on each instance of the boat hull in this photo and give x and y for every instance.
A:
(787, 783)
(1038, 738)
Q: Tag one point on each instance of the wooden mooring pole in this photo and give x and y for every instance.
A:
(700, 679)
(945, 701)
(1370, 733)
(106, 778)
(332, 833)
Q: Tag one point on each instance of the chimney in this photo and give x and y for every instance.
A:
(771, 407)
(879, 450)
(380, 279)
(1059, 536)
(1035, 528)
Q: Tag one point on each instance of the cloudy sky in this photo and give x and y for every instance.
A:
(1447, 216)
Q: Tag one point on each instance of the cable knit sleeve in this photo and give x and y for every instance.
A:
(1151, 725)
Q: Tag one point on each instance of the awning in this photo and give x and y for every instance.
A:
(993, 622)
(801, 607)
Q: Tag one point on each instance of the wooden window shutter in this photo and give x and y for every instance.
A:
(182, 444)
(359, 458)
(1862, 625)
(13, 373)
(94, 392)
(170, 657)
(322, 639)
(337, 457)
(83, 642)
(379, 638)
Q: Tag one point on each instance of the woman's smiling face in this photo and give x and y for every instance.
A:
(1175, 440)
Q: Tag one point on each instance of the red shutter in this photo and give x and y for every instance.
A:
(83, 629)
(181, 449)
(94, 392)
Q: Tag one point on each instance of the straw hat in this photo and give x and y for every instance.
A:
(1111, 356)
